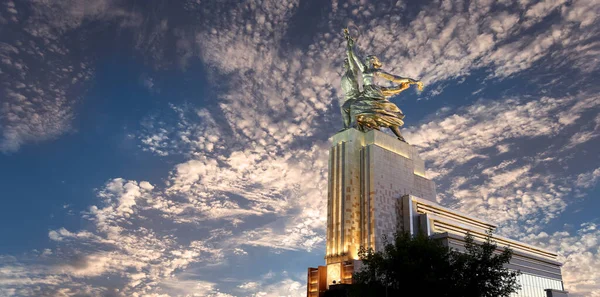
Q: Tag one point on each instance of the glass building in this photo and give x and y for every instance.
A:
(535, 286)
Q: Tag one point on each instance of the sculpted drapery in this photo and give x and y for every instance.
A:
(370, 108)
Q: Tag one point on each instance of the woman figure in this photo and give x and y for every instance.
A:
(372, 110)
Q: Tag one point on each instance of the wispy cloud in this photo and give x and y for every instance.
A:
(38, 96)
(447, 40)
(578, 249)
(42, 78)
(261, 150)
(462, 148)
(126, 243)
(588, 179)
(273, 285)
(461, 136)
(522, 190)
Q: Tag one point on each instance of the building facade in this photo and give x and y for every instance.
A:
(377, 186)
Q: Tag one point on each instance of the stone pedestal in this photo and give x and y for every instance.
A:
(368, 174)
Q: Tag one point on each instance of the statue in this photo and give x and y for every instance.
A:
(370, 109)
(351, 91)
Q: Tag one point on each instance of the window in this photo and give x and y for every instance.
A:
(534, 286)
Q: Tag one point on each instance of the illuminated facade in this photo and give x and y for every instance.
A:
(377, 186)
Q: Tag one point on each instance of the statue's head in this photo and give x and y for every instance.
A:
(372, 61)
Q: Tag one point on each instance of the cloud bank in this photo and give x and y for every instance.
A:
(254, 168)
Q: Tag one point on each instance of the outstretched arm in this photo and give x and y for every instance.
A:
(396, 79)
(400, 80)
(391, 91)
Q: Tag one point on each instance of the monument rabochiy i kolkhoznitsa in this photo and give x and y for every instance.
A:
(370, 109)
(377, 186)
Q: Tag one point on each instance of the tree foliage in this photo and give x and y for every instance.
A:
(424, 265)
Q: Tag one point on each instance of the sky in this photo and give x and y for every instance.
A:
(179, 148)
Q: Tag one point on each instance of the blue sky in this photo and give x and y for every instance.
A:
(180, 148)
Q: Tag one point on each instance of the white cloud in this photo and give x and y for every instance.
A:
(37, 101)
(239, 251)
(503, 148)
(581, 137)
(17, 279)
(249, 285)
(195, 131)
(284, 288)
(42, 78)
(583, 12)
(514, 192)
(580, 253)
(45, 72)
(147, 82)
(60, 234)
(298, 233)
(447, 40)
(132, 247)
(190, 288)
(124, 244)
(541, 9)
(588, 179)
(267, 287)
(460, 137)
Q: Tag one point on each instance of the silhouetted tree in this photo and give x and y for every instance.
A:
(480, 271)
(421, 264)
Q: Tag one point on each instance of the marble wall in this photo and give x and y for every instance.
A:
(368, 173)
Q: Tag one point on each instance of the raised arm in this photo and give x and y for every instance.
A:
(351, 63)
(352, 58)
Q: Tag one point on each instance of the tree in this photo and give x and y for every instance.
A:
(480, 271)
(420, 263)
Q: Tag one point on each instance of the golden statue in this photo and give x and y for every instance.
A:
(370, 109)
